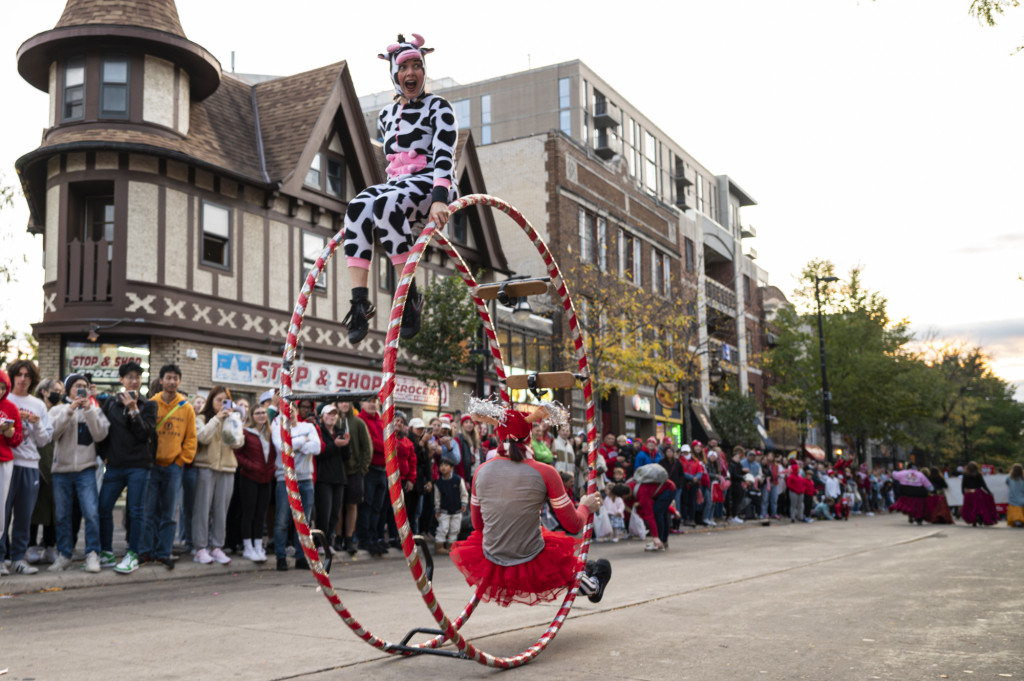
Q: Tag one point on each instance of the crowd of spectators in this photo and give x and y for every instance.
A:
(204, 477)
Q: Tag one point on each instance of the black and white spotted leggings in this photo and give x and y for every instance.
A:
(386, 211)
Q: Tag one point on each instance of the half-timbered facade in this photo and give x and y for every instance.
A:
(182, 206)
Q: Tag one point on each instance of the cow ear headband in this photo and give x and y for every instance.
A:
(403, 51)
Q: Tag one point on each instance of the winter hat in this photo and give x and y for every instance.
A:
(450, 458)
(513, 427)
(465, 417)
(403, 51)
(71, 380)
(685, 448)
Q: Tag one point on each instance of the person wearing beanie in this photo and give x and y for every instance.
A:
(450, 501)
(77, 426)
(510, 557)
(421, 166)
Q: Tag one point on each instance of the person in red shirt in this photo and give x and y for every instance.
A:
(371, 518)
(10, 437)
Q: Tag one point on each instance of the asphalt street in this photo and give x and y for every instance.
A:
(872, 598)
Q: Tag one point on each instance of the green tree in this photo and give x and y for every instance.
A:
(870, 367)
(734, 416)
(450, 327)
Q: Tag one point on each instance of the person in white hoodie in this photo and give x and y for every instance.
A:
(306, 444)
(77, 426)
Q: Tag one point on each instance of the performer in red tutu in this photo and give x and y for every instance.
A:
(913, 490)
(510, 557)
(935, 505)
(979, 507)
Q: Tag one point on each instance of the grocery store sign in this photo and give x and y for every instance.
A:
(231, 366)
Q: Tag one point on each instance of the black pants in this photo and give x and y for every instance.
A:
(689, 503)
(253, 498)
(735, 499)
(328, 498)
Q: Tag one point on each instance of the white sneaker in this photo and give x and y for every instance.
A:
(650, 546)
(92, 562)
(3, 569)
(218, 555)
(711, 523)
(23, 568)
(737, 521)
(202, 556)
(262, 554)
(34, 554)
(60, 563)
(250, 553)
(870, 514)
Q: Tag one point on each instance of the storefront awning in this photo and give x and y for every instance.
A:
(763, 433)
(703, 421)
(816, 453)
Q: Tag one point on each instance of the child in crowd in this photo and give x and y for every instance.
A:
(1015, 508)
(616, 507)
(450, 501)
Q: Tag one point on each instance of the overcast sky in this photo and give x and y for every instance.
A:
(883, 134)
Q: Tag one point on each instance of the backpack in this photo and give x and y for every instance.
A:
(650, 473)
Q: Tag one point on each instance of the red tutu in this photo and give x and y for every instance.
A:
(979, 506)
(538, 580)
(914, 507)
(936, 510)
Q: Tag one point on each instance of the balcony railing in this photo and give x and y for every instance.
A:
(719, 296)
(88, 278)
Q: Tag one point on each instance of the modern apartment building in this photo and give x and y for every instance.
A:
(599, 179)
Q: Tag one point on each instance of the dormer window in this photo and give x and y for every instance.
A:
(330, 182)
(313, 174)
(114, 87)
(74, 89)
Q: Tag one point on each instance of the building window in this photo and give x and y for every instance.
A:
(564, 106)
(463, 113)
(335, 177)
(588, 236)
(458, 230)
(626, 270)
(485, 119)
(631, 153)
(666, 274)
(216, 235)
(586, 115)
(638, 270)
(602, 244)
(688, 245)
(313, 175)
(746, 289)
(700, 193)
(74, 89)
(312, 247)
(651, 162)
(385, 274)
(114, 87)
(660, 272)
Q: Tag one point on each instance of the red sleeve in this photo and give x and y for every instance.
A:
(572, 518)
(645, 506)
(406, 460)
(12, 413)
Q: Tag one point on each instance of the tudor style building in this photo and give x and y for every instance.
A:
(182, 207)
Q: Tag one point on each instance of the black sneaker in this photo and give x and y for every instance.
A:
(350, 546)
(167, 562)
(601, 570)
(301, 564)
(412, 315)
(358, 319)
(282, 565)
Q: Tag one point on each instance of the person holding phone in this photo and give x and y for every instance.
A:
(10, 437)
(77, 427)
(128, 453)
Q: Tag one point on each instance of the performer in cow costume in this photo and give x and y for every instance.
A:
(419, 134)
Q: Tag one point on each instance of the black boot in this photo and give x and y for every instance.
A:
(359, 315)
(412, 316)
(601, 571)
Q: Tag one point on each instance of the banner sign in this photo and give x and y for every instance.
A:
(102, 360)
(261, 371)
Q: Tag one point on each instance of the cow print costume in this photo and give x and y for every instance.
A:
(419, 143)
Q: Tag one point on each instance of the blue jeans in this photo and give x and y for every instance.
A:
(20, 501)
(187, 499)
(114, 480)
(369, 521)
(283, 516)
(161, 493)
(65, 485)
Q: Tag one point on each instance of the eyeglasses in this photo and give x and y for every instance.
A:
(257, 413)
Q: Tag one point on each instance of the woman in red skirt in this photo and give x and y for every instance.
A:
(936, 508)
(510, 557)
(979, 507)
(913, 489)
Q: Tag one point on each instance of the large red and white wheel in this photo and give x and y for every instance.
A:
(449, 627)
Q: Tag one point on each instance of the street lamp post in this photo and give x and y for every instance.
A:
(826, 398)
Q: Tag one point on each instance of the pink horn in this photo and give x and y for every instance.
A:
(393, 47)
(417, 40)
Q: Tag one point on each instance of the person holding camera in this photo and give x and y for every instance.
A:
(77, 427)
(128, 454)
